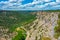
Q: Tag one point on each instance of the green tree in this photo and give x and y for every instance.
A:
(21, 35)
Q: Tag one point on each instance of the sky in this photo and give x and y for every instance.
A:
(29, 4)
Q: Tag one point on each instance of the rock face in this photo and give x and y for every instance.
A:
(43, 26)
(4, 35)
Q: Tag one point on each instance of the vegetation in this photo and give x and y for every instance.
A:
(52, 10)
(46, 38)
(15, 19)
(21, 35)
(57, 28)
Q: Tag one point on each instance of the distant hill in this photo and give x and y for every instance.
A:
(13, 19)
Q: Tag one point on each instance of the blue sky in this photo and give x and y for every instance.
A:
(29, 4)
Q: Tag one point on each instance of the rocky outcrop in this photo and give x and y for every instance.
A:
(43, 26)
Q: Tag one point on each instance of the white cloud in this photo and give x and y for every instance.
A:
(12, 0)
(18, 4)
(32, 3)
(51, 3)
(4, 2)
(58, 1)
(56, 6)
(17, 1)
(47, 0)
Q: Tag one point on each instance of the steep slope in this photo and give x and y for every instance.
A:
(43, 26)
